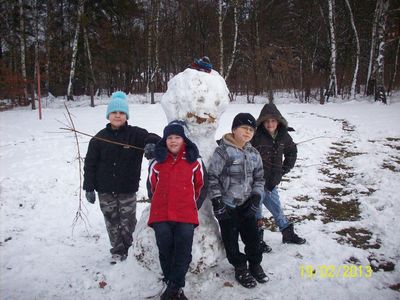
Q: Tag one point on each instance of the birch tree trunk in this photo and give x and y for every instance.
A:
(236, 21)
(149, 48)
(257, 54)
(36, 29)
(156, 51)
(355, 75)
(22, 46)
(370, 84)
(380, 94)
(89, 56)
(75, 50)
(221, 39)
(48, 37)
(332, 89)
(396, 61)
(153, 37)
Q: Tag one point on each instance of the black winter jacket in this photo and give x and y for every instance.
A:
(111, 168)
(279, 155)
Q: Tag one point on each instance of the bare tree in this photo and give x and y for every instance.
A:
(221, 37)
(47, 36)
(355, 74)
(22, 46)
(153, 38)
(369, 86)
(236, 22)
(89, 56)
(75, 49)
(332, 87)
(37, 66)
(380, 94)
(396, 61)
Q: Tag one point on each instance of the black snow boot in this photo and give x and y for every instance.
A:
(258, 273)
(173, 294)
(290, 237)
(244, 277)
(264, 247)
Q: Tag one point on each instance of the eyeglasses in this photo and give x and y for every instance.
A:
(248, 128)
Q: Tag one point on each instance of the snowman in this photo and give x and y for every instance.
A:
(199, 98)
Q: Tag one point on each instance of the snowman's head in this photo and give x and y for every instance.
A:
(198, 98)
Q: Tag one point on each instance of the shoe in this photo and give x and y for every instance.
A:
(173, 294)
(181, 295)
(258, 273)
(244, 277)
(264, 247)
(290, 237)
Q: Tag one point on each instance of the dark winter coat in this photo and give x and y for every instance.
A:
(279, 154)
(175, 183)
(111, 168)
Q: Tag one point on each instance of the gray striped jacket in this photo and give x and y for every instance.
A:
(234, 173)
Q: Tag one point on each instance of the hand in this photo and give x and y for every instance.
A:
(219, 209)
(251, 206)
(150, 151)
(90, 196)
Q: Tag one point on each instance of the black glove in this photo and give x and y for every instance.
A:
(251, 206)
(90, 196)
(150, 151)
(219, 209)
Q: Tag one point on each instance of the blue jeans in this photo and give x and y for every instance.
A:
(273, 204)
(174, 242)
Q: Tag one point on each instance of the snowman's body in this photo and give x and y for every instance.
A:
(199, 99)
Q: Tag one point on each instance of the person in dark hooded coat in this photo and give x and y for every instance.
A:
(279, 154)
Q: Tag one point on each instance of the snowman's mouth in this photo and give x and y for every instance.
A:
(199, 120)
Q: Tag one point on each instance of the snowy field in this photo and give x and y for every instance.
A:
(343, 195)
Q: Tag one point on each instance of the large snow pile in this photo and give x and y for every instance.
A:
(199, 99)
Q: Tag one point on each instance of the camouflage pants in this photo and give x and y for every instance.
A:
(119, 212)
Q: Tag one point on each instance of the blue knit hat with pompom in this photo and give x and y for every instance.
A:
(118, 103)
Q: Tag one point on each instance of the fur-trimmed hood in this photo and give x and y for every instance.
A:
(270, 111)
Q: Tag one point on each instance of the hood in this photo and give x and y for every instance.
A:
(270, 111)
(191, 150)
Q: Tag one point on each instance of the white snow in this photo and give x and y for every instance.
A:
(42, 257)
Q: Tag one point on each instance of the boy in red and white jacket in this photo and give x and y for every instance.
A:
(176, 178)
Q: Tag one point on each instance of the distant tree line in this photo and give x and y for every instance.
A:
(312, 48)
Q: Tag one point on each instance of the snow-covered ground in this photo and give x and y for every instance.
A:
(343, 193)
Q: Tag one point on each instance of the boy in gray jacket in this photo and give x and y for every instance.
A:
(236, 184)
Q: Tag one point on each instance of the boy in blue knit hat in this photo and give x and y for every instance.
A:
(114, 172)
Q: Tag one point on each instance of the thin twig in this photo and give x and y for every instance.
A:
(318, 137)
(79, 213)
(101, 139)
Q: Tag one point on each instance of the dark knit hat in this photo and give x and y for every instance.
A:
(204, 63)
(176, 127)
(179, 128)
(243, 119)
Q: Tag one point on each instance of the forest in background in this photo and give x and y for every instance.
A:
(315, 49)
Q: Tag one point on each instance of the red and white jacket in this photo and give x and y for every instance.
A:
(175, 184)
